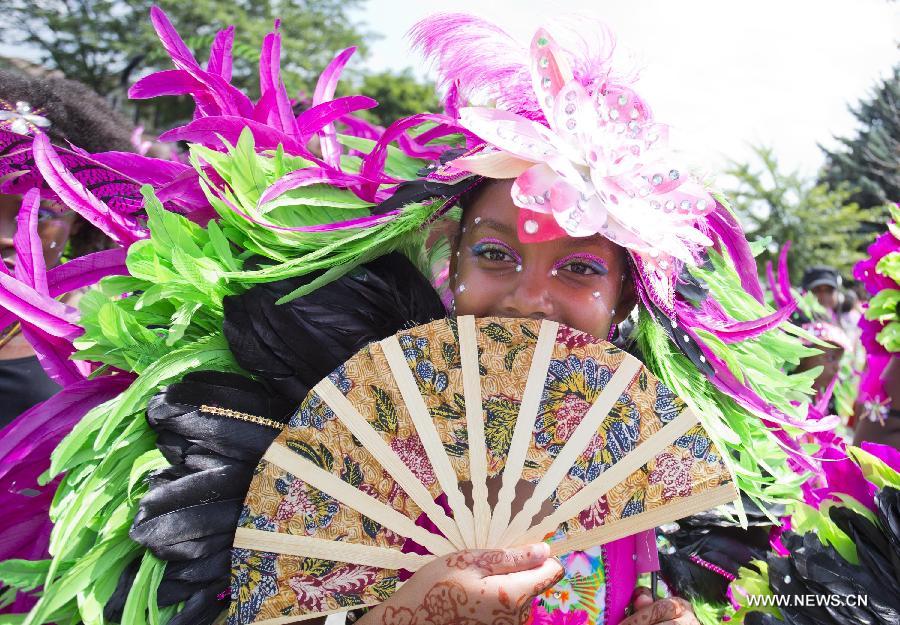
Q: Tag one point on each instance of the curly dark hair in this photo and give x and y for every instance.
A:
(78, 116)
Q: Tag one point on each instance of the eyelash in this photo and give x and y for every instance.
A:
(596, 265)
(483, 248)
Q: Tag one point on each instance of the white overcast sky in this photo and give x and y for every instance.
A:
(723, 73)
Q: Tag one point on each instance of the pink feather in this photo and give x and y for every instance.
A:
(30, 267)
(167, 82)
(43, 311)
(86, 271)
(281, 116)
(120, 228)
(220, 58)
(54, 355)
(325, 88)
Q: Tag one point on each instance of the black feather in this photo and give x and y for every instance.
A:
(293, 346)
(715, 537)
(189, 514)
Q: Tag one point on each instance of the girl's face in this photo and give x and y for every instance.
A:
(580, 282)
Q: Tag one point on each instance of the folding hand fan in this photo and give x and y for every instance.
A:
(421, 443)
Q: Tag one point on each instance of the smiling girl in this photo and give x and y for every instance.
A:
(573, 209)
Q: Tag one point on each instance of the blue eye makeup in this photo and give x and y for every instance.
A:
(495, 251)
(582, 265)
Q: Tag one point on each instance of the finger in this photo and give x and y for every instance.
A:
(501, 561)
(535, 581)
(641, 598)
(657, 613)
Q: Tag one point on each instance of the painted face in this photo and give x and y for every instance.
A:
(827, 296)
(579, 282)
(54, 228)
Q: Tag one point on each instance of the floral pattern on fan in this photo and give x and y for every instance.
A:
(328, 584)
(379, 423)
(314, 584)
(671, 475)
(253, 581)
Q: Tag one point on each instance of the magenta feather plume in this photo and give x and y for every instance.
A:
(30, 267)
(325, 88)
(166, 82)
(724, 225)
(373, 164)
(39, 309)
(279, 114)
(25, 449)
(220, 55)
(120, 228)
(312, 120)
(220, 97)
(479, 59)
(54, 354)
(86, 271)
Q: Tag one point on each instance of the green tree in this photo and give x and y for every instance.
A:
(822, 223)
(108, 43)
(870, 161)
(399, 95)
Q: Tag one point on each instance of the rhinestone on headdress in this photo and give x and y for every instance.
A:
(21, 118)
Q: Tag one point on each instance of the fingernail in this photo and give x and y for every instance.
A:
(540, 550)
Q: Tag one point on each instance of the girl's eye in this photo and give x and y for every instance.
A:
(495, 252)
(496, 255)
(584, 266)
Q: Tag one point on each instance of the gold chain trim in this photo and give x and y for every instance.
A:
(241, 416)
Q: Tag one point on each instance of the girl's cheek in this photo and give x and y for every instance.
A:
(590, 311)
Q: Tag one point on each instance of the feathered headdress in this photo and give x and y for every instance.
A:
(588, 158)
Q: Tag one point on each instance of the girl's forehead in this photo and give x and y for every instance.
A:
(494, 214)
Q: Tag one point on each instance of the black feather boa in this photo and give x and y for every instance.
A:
(189, 514)
(716, 538)
(816, 569)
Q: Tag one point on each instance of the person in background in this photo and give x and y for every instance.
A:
(69, 113)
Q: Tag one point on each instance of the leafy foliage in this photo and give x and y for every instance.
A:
(870, 161)
(822, 223)
(106, 43)
(399, 95)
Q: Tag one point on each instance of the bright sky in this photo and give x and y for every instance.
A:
(725, 74)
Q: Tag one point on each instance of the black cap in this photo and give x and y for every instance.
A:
(819, 275)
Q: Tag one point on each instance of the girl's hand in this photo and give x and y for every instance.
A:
(671, 611)
(474, 587)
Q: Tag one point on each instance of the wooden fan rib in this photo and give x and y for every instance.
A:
(518, 448)
(575, 446)
(431, 439)
(647, 520)
(388, 459)
(468, 353)
(310, 547)
(618, 472)
(287, 620)
(351, 496)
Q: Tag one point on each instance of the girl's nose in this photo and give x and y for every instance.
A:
(528, 295)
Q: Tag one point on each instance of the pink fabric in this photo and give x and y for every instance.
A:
(623, 569)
